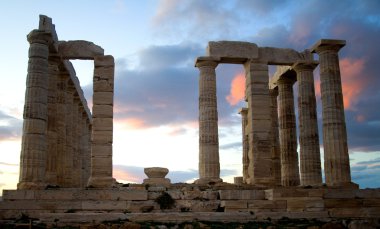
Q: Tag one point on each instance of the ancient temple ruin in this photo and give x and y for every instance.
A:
(63, 144)
(270, 155)
(66, 158)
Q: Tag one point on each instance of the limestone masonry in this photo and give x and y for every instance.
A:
(66, 156)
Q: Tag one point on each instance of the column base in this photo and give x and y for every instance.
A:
(157, 182)
(208, 181)
(101, 182)
(25, 185)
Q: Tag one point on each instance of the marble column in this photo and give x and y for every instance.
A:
(244, 122)
(310, 158)
(62, 82)
(260, 167)
(69, 151)
(288, 134)
(275, 149)
(337, 162)
(102, 113)
(51, 157)
(33, 146)
(209, 167)
(75, 141)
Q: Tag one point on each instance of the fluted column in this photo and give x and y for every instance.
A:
(69, 151)
(102, 113)
(209, 167)
(288, 134)
(75, 141)
(337, 162)
(244, 121)
(275, 149)
(62, 82)
(260, 167)
(51, 157)
(310, 158)
(33, 146)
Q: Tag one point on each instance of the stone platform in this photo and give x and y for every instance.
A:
(188, 202)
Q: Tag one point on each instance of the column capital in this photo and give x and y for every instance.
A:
(243, 111)
(39, 36)
(305, 65)
(207, 61)
(327, 45)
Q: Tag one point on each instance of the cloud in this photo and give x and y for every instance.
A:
(366, 173)
(237, 90)
(10, 127)
(196, 19)
(352, 85)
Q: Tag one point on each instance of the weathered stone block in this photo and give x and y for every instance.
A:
(241, 194)
(18, 195)
(101, 61)
(103, 86)
(346, 203)
(232, 51)
(103, 98)
(102, 124)
(102, 137)
(340, 194)
(102, 111)
(79, 49)
(231, 204)
(104, 205)
(267, 204)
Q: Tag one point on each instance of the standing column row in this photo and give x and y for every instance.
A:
(209, 167)
(102, 113)
(275, 148)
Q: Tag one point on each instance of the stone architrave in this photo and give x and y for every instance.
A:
(209, 167)
(244, 122)
(310, 159)
(336, 158)
(51, 157)
(102, 113)
(33, 146)
(260, 167)
(275, 149)
(288, 134)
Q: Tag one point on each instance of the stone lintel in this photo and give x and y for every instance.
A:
(201, 60)
(71, 71)
(324, 43)
(79, 49)
(232, 51)
(243, 111)
(282, 71)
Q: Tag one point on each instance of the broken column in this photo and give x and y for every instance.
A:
(244, 121)
(102, 113)
(259, 124)
(209, 167)
(288, 134)
(310, 159)
(33, 146)
(337, 163)
(275, 146)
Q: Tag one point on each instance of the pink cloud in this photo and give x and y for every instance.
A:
(237, 89)
(353, 82)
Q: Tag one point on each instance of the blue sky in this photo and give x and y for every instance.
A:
(155, 44)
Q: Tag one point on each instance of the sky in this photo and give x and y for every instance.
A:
(155, 43)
